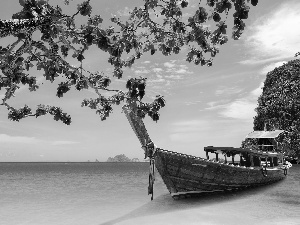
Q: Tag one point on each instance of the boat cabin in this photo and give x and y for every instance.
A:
(260, 149)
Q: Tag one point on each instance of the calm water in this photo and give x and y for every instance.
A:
(108, 193)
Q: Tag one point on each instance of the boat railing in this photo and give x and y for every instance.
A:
(266, 147)
(202, 159)
(263, 163)
(233, 164)
(181, 154)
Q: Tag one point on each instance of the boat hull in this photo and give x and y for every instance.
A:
(185, 174)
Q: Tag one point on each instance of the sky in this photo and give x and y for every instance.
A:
(205, 105)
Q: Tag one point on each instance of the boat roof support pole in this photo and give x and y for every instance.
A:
(217, 157)
(251, 160)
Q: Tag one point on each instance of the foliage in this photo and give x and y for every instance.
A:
(120, 158)
(250, 143)
(279, 104)
(61, 37)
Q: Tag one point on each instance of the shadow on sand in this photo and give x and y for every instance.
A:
(165, 203)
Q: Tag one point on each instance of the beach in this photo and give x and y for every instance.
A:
(116, 193)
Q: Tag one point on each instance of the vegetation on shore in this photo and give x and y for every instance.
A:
(122, 158)
(279, 105)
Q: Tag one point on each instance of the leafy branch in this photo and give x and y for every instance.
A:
(142, 32)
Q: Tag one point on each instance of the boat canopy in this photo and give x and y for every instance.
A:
(234, 151)
(265, 134)
(225, 149)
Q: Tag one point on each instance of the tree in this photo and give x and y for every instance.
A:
(279, 105)
(119, 158)
(61, 35)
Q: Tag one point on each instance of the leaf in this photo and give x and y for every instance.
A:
(85, 8)
(118, 73)
(133, 93)
(254, 2)
(80, 57)
(155, 117)
(140, 113)
(211, 3)
(22, 2)
(184, 4)
(141, 94)
(106, 82)
(153, 51)
(89, 39)
(128, 84)
(39, 66)
(161, 101)
(27, 66)
(201, 15)
(21, 36)
(216, 17)
(141, 86)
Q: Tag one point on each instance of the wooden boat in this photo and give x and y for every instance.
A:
(184, 174)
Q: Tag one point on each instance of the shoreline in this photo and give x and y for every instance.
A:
(72, 162)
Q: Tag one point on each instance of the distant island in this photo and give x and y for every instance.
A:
(122, 158)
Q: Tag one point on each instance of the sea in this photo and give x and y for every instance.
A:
(116, 193)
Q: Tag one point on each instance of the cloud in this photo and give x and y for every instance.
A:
(181, 70)
(271, 67)
(4, 138)
(189, 125)
(222, 90)
(176, 77)
(124, 12)
(172, 67)
(169, 65)
(274, 36)
(220, 104)
(239, 109)
(185, 137)
(258, 91)
(157, 70)
(142, 71)
(188, 131)
(242, 108)
(159, 80)
(259, 61)
(192, 103)
(204, 130)
(163, 76)
(65, 142)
